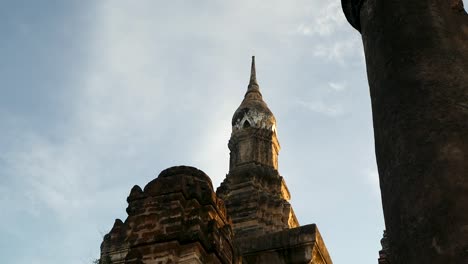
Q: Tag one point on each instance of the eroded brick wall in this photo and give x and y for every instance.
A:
(177, 218)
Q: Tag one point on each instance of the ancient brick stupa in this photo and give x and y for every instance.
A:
(178, 218)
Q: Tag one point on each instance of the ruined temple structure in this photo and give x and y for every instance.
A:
(417, 67)
(179, 218)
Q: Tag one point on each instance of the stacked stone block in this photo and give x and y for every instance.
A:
(257, 201)
(293, 246)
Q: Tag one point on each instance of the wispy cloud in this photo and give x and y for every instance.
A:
(337, 86)
(325, 22)
(338, 51)
(320, 107)
(327, 30)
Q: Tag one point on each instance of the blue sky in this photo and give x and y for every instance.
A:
(97, 96)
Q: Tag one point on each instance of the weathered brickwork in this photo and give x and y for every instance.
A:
(176, 219)
(253, 137)
(298, 245)
(257, 201)
(383, 258)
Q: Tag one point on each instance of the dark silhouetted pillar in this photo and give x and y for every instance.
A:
(417, 66)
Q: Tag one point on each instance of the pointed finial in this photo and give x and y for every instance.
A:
(253, 84)
(253, 74)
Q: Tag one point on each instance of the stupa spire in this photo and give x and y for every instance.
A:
(253, 84)
(253, 74)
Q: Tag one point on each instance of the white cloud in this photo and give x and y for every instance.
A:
(338, 51)
(337, 86)
(321, 107)
(325, 22)
(304, 30)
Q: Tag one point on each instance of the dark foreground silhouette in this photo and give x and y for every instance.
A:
(417, 66)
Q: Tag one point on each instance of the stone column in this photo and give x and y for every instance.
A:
(417, 66)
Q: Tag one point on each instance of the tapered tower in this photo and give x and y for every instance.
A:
(253, 139)
(256, 195)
